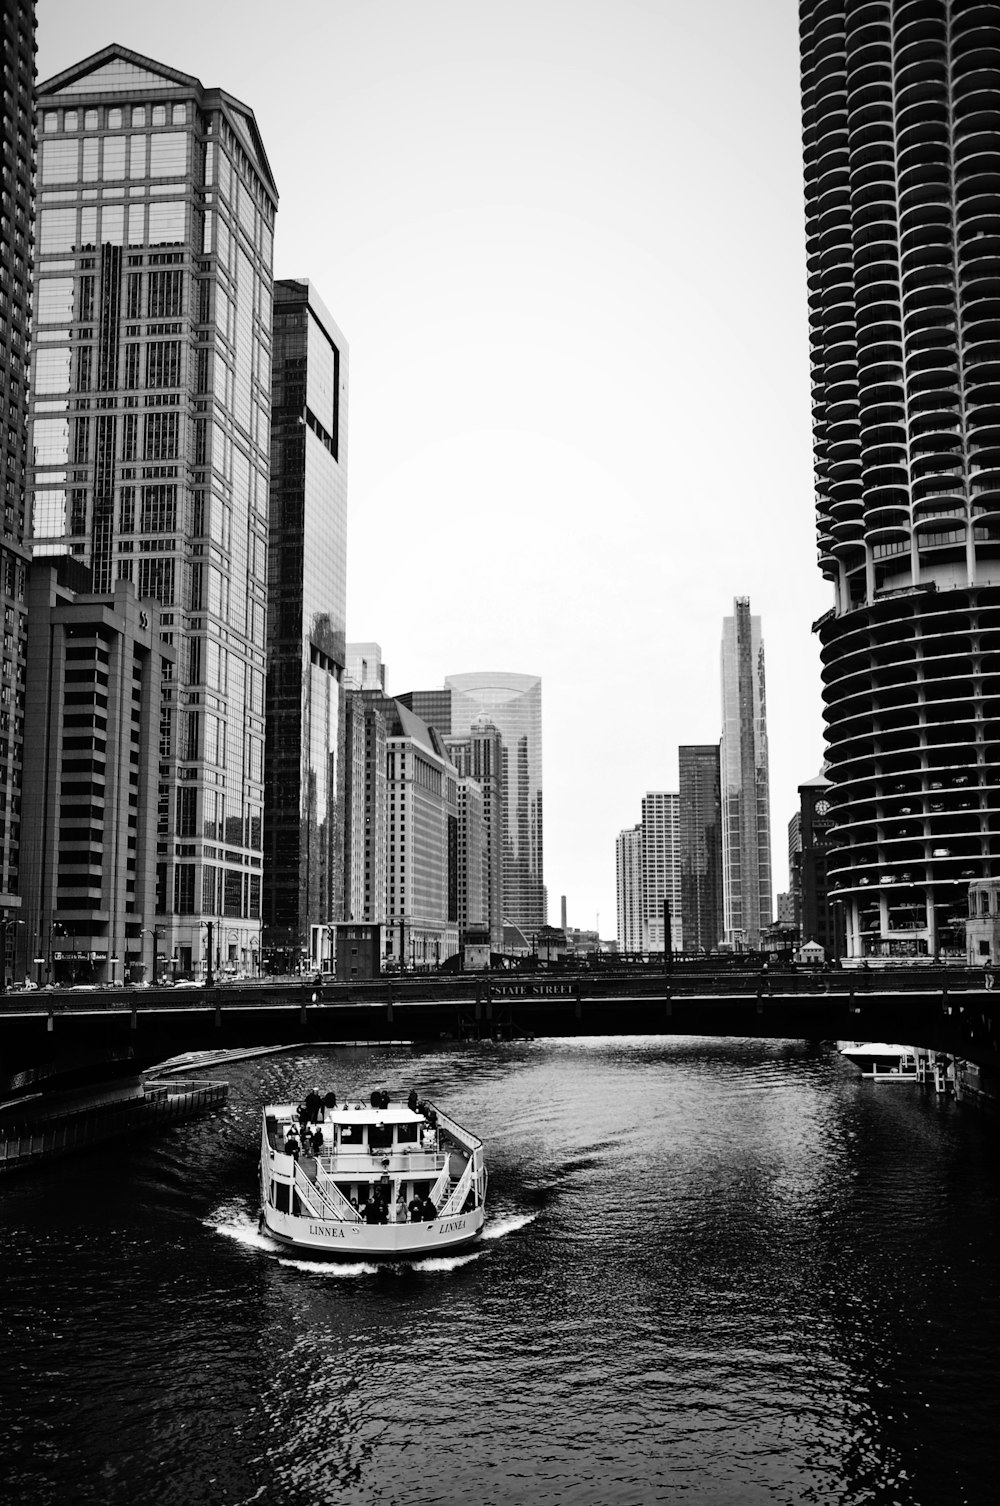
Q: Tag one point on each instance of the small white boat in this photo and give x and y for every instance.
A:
(381, 1179)
(881, 1061)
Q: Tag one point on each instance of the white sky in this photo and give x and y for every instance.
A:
(564, 240)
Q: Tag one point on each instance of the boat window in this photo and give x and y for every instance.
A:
(281, 1191)
(351, 1134)
(406, 1134)
(380, 1136)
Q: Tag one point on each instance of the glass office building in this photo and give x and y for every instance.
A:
(513, 703)
(151, 437)
(307, 592)
(744, 779)
(701, 846)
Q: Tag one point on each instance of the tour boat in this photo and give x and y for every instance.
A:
(881, 1061)
(363, 1180)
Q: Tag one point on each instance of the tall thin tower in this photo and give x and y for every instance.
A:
(17, 129)
(701, 846)
(150, 409)
(901, 137)
(660, 859)
(307, 594)
(628, 888)
(745, 789)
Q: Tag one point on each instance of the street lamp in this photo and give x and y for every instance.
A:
(209, 926)
(156, 931)
(5, 926)
(55, 929)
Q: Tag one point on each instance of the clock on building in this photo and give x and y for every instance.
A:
(822, 806)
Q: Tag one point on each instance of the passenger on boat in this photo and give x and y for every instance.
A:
(428, 1209)
(317, 1142)
(330, 1101)
(411, 1102)
(416, 1208)
(292, 1143)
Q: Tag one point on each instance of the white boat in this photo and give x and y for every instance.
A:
(381, 1179)
(881, 1061)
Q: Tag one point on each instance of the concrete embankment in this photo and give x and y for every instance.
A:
(33, 1132)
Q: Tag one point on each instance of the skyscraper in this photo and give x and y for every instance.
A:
(513, 704)
(365, 670)
(306, 604)
(746, 805)
(94, 688)
(479, 756)
(701, 846)
(900, 131)
(661, 870)
(151, 435)
(422, 910)
(628, 886)
(364, 799)
(16, 240)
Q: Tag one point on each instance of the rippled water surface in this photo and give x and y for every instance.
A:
(722, 1272)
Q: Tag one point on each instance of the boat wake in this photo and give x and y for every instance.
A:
(436, 1263)
(507, 1223)
(337, 1268)
(235, 1223)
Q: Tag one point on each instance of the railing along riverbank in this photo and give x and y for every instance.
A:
(36, 1132)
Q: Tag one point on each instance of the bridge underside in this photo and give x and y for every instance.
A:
(44, 1048)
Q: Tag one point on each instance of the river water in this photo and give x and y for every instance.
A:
(714, 1272)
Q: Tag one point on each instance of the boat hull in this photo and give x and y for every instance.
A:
(358, 1241)
(881, 1061)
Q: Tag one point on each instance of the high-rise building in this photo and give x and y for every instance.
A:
(16, 245)
(151, 434)
(364, 800)
(365, 670)
(432, 707)
(513, 704)
(471, 874)
(701, 846)
(661, 870)
(95, 665)
(479, 756)
(401, 849)
(746, 805)
(628, 887)
(306, 613)
(900, 120)
(422, 909)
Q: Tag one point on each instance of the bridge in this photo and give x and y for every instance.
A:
(53, 1039)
